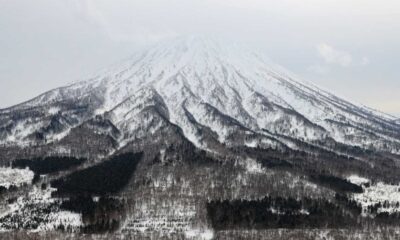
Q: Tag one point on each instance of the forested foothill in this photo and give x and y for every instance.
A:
(325, 169)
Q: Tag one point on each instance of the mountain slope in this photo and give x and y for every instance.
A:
(225, 88)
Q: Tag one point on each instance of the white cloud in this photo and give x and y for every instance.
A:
(334, 56)
(365, 61)
(118, 22)
(319, 69)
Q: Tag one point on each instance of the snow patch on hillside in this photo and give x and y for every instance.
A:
(201, 234)
(53, 110)
(357, 180)
(15, 177)
(61, 218)
(386, 195)
(30, 212)
(252, 166)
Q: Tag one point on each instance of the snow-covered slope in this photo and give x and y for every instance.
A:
(216, 93)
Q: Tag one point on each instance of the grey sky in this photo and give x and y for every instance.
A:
(349, 47)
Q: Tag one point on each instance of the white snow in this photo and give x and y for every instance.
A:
(253, 143)
(358, 180)
(15, 177)
(64, 218)
(252, 166)
(53, 110)
(26, 207)
(167, 220)
(201, 234)
(377, 193)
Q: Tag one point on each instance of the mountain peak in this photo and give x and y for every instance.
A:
(203, 85)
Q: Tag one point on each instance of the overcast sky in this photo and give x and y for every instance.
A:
(351, 47)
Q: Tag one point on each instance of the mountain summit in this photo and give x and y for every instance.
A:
(198, 139)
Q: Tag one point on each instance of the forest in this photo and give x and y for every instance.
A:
(105, 178)
(99, 215)
(278, 212)
(91, 192)
(48, 164)
(336, 183)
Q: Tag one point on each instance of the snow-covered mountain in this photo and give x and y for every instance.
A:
(189, 139)
(216, 93)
